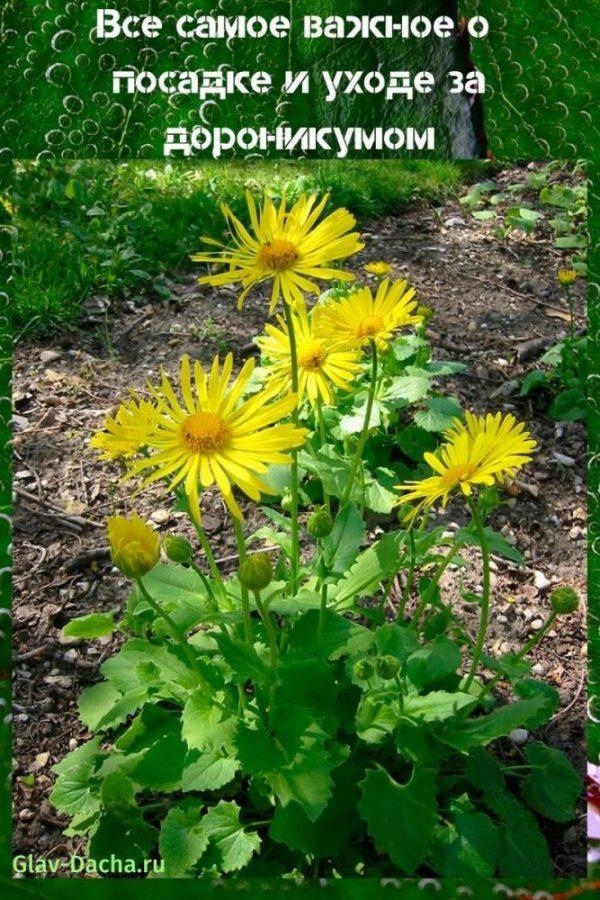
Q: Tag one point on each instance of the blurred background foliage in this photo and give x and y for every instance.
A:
(115, 228)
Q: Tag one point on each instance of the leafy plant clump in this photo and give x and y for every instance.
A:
(290, 720)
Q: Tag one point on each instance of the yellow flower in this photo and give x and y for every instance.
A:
(482, 451)
(320, 362)
(360, 317)
(287, 247)
(380, 269)
(134, 546)
(125, 433)
(566, 276)
(210, 436)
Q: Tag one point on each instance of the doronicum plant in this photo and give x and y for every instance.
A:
(289, 719)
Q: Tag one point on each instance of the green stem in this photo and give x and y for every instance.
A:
(272, 639)
(322, 610)
(176, 632)
(410, 578)
(212, 563)
(295, 536)
(365, 429)
(242, 554)
(430, 589)
(485, 597)
(571, 315)
(323, 441)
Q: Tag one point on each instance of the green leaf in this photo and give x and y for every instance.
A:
(206, 726)
(532, 381)
(244, 660)
(412, 386)
(342, 545)
(400, 818)
(569, 406)
(207, 771)
(341, 636)
(470, 847)
(376, 718)
(433, 664)
(378, 498)
(484, 215)
(94, 625)
(74, 791)
(126, 669)
(571, 242)
(374, 565)
(183, 839)
(439, 414)
(414, 442)
(102, 706)
(523, 848)
(354, 422)
(553, 787)
(495, 541)
(234, 844)
(156, 736)
(332, 832)
(436, 706)
(291, 757)
(481, 731)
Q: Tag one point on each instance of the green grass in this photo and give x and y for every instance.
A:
(116, 228)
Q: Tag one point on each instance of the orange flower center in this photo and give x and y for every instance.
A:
(204, 432)
(370, 326)
(459, 473)
(312, 356)
(278, 254)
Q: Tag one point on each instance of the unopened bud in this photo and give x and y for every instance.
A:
(178, 549)
(387, 667)
(564, 600)
(320, 523)
(363, 669)
(256, 572)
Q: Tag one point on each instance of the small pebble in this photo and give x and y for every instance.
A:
(537, 624)
(518, 736)
(538, 669)
(455, 222)
(48, 356)
(541, 582)
(160, 516)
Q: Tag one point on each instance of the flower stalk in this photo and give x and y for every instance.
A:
(365, 428)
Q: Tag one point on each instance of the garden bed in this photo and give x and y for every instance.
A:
(496, 305)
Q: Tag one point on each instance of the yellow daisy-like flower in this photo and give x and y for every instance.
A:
(360, 317)
(379, 268)
(566, 276)
(134, 546)
(211, 436)
(125, 433)
(484, 450)
(320, 362)
(287, 247)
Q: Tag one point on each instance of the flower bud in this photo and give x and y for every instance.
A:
(363, 669)
(387, 667)
(286, 501)
(134, 546)
(256, 572)
(564, 600)
(424, 311)
(178, 549)
(319, 523)
(566, 276)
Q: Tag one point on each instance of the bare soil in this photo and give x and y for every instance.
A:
(496, 306)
